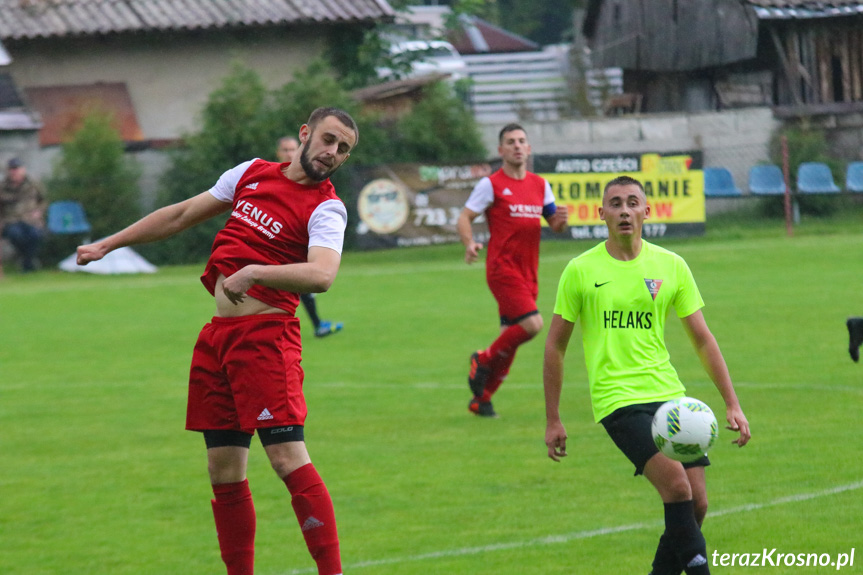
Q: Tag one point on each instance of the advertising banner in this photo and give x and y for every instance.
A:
(403, 205)
(673, 183)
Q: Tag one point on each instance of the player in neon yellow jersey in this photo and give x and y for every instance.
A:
(621, 291)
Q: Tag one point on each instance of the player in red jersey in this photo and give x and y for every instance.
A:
(513, 201)
(284, 236)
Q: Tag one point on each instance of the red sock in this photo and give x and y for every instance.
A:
(235, 526)
(314, 509)
(496, 379)
(500, 352)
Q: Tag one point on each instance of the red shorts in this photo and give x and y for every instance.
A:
(246, 374)
(516, 297)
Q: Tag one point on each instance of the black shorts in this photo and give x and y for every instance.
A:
(629, 428)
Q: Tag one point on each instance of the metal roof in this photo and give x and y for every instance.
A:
(477, 36)
(791, 10)
(24, 19)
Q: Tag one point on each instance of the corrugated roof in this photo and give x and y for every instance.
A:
(21, 19)
(791, 9)
(477, 36)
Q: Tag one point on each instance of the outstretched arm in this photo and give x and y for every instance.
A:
(714, 364)
(556, 343)
(465, 232)
(161, 224)
(313, 276)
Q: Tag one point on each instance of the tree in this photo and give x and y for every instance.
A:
(543, 21)
(234, 128)
(92, 169)
(243, 120)
(356, 53)
(438, 129)
(317, 86)
(240, 121)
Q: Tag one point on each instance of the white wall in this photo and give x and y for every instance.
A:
(169, 76)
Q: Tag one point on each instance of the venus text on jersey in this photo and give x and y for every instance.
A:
(525, 211)
(255, 214)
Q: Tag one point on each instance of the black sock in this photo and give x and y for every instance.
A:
(665, 561)
(311, 308)
(685, 538)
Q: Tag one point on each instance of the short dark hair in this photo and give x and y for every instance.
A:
(623, 181)
(511, 127)
(342, 116)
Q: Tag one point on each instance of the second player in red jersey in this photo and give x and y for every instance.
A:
(513, 200)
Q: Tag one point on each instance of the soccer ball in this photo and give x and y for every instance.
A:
(684, 429)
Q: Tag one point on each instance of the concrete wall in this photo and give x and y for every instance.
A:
(736, 139)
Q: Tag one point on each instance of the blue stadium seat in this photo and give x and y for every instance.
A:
(67, 217)
(718, 183)
(766, 180)
(815, 178)
(854, 177)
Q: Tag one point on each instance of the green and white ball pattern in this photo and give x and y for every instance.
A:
(684, 429)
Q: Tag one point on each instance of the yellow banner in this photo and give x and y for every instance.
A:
(674, 192)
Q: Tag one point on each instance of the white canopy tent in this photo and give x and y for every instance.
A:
(120, 261)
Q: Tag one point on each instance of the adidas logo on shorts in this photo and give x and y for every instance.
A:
(265, 415)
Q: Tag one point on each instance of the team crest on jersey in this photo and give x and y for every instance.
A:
(653, 286)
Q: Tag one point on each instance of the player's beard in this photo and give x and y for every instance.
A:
(309, 169)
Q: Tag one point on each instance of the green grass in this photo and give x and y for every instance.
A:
(98, 476)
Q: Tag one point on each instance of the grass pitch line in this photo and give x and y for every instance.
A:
(567, 537)
(789, 499)
(434, 385)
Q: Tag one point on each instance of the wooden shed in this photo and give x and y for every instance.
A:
(679, 55)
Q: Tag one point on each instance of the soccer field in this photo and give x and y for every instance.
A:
(98, 476)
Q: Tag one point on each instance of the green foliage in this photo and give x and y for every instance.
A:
(355, 54)
(235, 128)
(542, 21)
(485, 9)
(243, 120)
(439, 129)
(313, 87)
(92, 169)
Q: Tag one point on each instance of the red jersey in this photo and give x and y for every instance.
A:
(274, 221)
(513, 209)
